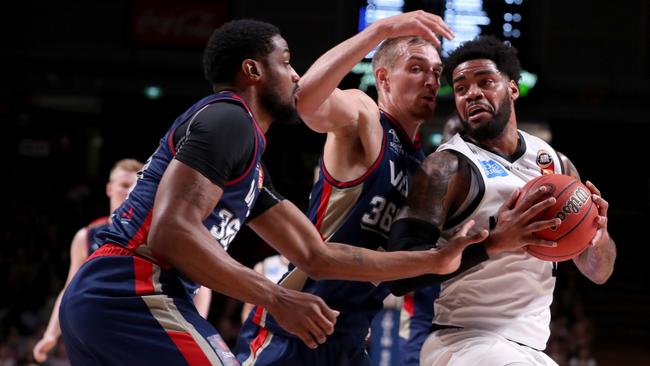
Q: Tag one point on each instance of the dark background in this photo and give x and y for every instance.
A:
(72, 103)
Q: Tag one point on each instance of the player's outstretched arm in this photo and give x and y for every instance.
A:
(78, 254)
(324, 107)
(184, 199)
(439, 187)
(289, 231)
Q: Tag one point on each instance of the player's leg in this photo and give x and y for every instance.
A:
(105, 320)
(457, 347)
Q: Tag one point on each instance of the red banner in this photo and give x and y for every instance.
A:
(175, 23)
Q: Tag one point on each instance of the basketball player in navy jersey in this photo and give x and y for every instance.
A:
(121, 178)
(494, 311)
(370, 151)
(417, 307)
(203, 182)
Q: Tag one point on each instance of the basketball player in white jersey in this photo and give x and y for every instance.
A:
(495, 312)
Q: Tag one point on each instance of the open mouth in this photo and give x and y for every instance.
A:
(476, 109)
(429, 98)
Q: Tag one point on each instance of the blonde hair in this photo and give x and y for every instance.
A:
(129, 165)
(389, 50)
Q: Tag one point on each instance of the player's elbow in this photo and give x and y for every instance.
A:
(161, 238)
(315, 266)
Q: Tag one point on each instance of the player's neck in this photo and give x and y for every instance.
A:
(507, 142)
(260, 115)
(409, 125)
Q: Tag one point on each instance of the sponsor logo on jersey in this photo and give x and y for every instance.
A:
(545, 162)
(493, 169)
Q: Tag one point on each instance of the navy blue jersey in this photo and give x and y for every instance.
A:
(91, 232)
(359, 213)
(131, 221)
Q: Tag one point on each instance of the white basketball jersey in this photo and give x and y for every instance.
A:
(509, 294)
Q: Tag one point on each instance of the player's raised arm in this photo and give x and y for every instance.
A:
(326, 108)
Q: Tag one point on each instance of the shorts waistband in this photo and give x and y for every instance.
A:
(116, 250)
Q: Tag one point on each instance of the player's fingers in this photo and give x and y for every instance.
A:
(543, 225)
(462, 231)
(325, 319)
(307, 338)
(602, 204)
(510, 202)
(538, 208)
(592, 188)
(533, 197)
(317, 333)
(436, 24)
(539, 242)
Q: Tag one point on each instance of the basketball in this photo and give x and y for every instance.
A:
(576, 210)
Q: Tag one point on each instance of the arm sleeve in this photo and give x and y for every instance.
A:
(218, 142)
(268, 197)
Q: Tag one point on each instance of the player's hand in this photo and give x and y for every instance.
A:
(516, 223)
(450, 255)
(417, 23)
(304, 315)
(42, 348)
(602, 235)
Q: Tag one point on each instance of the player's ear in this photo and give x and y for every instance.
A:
(109, 189)
(514, 90)
(381, 75)
(251, 69)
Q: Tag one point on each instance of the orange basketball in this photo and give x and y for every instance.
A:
(576, 210)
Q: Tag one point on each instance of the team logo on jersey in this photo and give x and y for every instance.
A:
(493, 169)
(394, 142)
(545, 162)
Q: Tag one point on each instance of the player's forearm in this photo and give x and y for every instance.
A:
(326, 73)
(597, 262)
(348, 262)
(53, 327)
(195, 253)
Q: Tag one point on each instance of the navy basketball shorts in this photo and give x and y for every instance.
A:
(258, 346)
(122, 309)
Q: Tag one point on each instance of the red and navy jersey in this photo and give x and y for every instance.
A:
(91, 232)
(131, 221)
(360, 213)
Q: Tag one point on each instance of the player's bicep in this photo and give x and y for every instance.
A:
(433, 189)
(185, 193)
(341, 110)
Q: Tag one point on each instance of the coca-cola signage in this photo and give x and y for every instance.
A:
(186, 23)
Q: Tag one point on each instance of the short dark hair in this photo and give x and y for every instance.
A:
(485, 47)
(234, 42)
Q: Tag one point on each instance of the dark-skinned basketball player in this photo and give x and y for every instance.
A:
(495, 312)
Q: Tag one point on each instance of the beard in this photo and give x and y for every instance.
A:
(281, 111)
(492, 128)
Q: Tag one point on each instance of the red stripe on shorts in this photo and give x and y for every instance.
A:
(143, 271)
(191, 351)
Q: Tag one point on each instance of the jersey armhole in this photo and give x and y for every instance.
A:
(471, 203)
